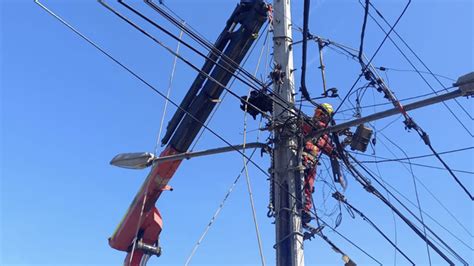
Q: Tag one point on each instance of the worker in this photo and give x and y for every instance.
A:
(313, 146)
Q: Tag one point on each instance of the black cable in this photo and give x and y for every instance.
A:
(384, 68)
(371, 189)
(205, 43)
(414, 157)
(349, 241)
(193, 66)
(439, 202)
(409, 122)
(428, 190)
(427, 214)
(450, 171)
(415, 164)
(388, 198)
(416, 70)
(420, 60)
(362, 34)
(401, 100)
(398, 212)
(303, 89)
(326, 224)
(367, 186)
(284, 104)
(416, 194)
(145, 82)
(102, 2)
(365, 68)
(341, 198)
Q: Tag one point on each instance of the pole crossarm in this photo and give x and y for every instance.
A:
(394, 111)
(189, 155)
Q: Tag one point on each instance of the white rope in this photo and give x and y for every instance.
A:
(245, 161)
(170, 85)
(216, 214)
(231, 189)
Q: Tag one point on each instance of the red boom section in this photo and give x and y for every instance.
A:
(149, 224)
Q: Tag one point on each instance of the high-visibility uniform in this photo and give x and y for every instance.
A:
(311, 152)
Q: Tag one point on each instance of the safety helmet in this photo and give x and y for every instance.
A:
(326, 109)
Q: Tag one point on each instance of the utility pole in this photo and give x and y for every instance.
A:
(287, 180)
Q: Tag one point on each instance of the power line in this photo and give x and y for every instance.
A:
(415, 68)
(216, 213)
(383, 68)
(419, 59)
(427, 214)
(179, 56)
(366, 66)
(225, 93)
(416, 164)
(130, 71)
(341, 198)
(412, 157)
(417, 196)
(429, 192)
(366, 183)
(401, 100)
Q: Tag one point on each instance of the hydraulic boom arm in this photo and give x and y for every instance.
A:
(142, 224)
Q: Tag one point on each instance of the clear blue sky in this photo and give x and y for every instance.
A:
(66, 110)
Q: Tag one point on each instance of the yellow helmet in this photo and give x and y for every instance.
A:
(326, 107)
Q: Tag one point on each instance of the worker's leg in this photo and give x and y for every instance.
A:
(308, 190)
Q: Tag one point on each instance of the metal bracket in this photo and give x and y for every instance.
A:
(148, 249)
(466, 84)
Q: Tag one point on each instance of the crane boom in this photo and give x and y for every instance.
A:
(142, 222)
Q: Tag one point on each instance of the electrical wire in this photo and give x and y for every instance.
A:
(416, 194)
(389, 200)
(281, 102)
(225, 93)
(442, 205)
(420, 60)
(427, 214)
(386, 160)
(130, 71)
(103, 3)
(367, 65)
(362, 34)
(170, 84)
(328, 225)
(419, 181)
(216, 213)
(366, 183)
(409, 122)
(386, 69)
(369, 221)
(247, 178)
(205, 43)
(386, 103)
(421, 75)
(414, 157)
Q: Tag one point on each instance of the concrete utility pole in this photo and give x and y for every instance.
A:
(287, 179)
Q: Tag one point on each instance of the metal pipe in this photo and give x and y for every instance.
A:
(189, 155)
(394, 111)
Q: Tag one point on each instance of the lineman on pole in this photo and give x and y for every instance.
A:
(313, 146)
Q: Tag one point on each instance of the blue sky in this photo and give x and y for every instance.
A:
(66, 110)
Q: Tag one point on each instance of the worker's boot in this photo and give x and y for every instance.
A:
(305, 218)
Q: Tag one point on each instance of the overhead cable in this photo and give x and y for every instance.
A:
(130, 71)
